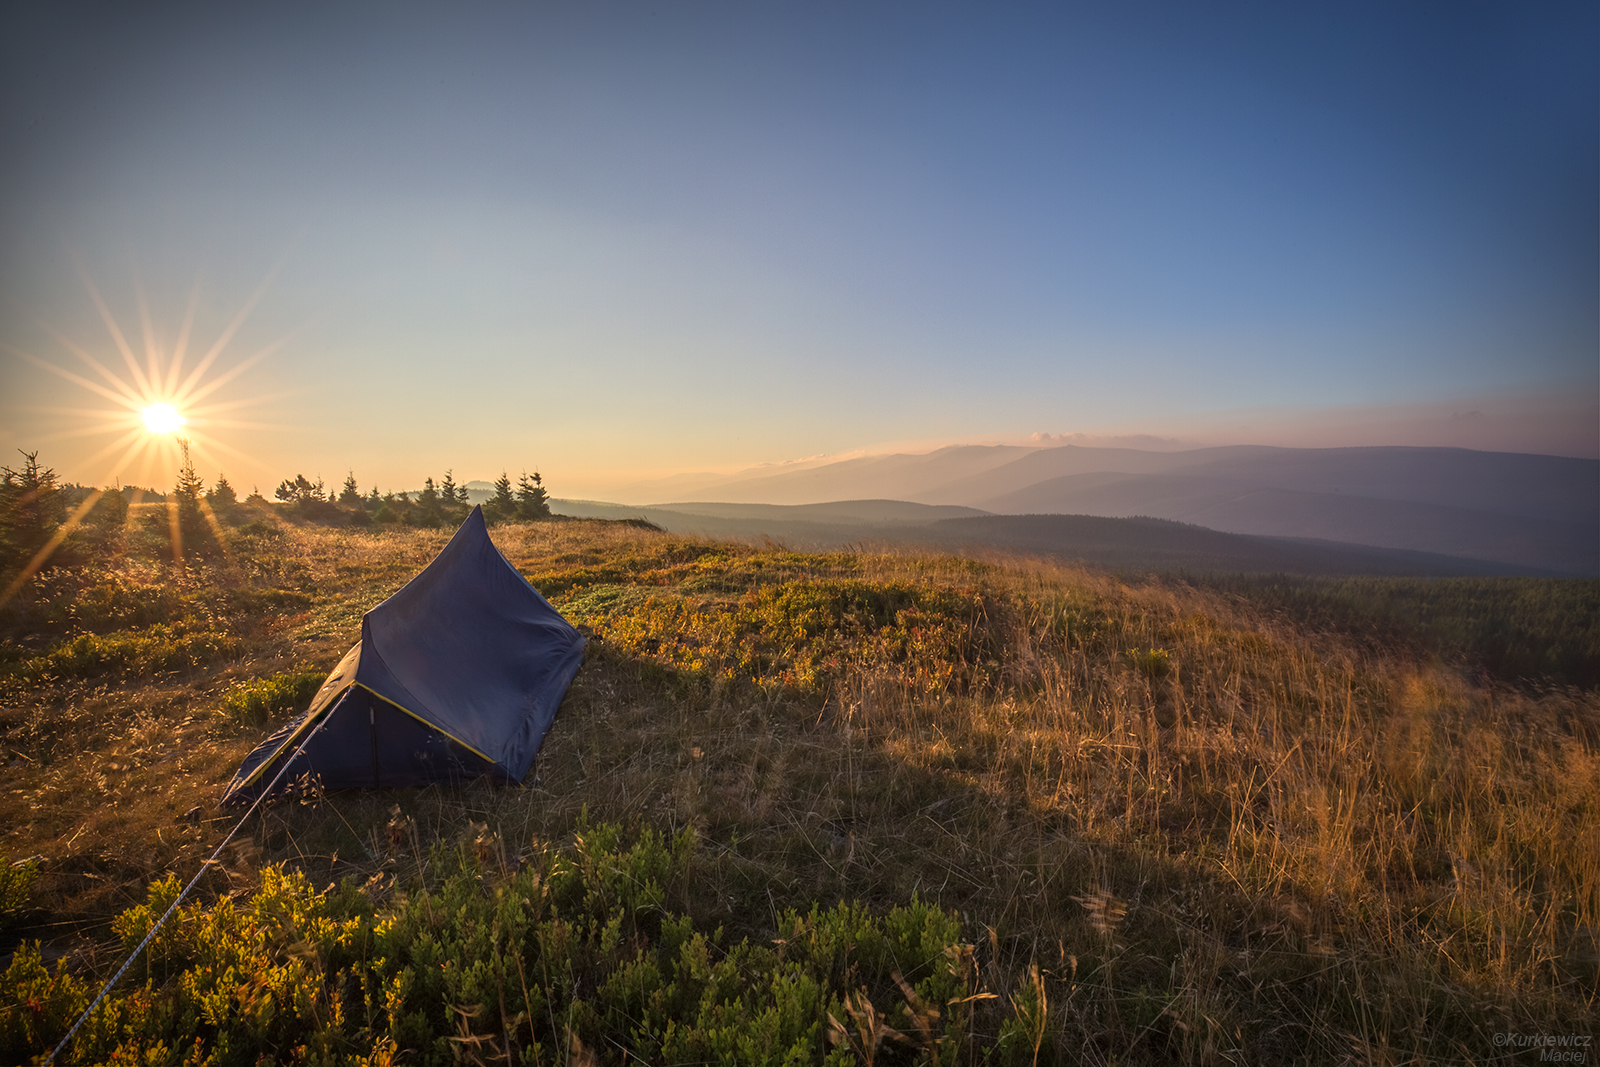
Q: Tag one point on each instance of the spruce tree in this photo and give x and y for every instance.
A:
(111, 510)
(31, 508)
(447, 488)
(532, 500)
(298, 491)
(222, 494)
(428, 505)
(194, 532)
(503, 505)
(350, 495)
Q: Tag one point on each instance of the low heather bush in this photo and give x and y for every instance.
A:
(532, 962)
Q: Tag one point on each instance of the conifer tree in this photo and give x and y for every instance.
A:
(222, 494)
(31, 507)
(350, 494)
(299, 490)
(532, 500)
(111, 510)
(447, 488)
(428, 504)
(503, 505)
(189, 485)
(194, 532)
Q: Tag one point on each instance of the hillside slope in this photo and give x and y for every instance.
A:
(1161, 545)
(1098, 821)
(1088, 820)
(1556, 543)
(1538, 512)
(1123, 544)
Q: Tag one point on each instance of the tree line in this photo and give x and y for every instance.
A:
(436, 504)
(45, 522)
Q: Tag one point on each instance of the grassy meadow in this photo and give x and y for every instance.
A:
(801, 808)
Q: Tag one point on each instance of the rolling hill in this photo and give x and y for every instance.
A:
(1534, 513)
(1129, 544)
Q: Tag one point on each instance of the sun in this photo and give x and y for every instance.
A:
(162, 418)
(162, 404)
(158, 397)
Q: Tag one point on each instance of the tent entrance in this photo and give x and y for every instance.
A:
(367, 743)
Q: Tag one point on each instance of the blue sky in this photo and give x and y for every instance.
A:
(612, 240)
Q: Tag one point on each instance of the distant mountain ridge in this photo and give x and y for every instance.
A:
(1535, 512)
(1137, 544)
(886, 512)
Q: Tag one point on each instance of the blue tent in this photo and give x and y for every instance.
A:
(458, 675)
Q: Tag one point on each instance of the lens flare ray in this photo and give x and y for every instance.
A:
(94, 364)
(181, 347)
(232, 328)
(110, 320)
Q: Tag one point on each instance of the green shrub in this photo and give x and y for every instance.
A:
(1153, 663)
(134, 653)
(16, 883)
(112, 604)
(257, 702)
(579, 949)
(802, 634)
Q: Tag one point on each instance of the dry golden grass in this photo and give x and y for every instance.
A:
(1219, 838)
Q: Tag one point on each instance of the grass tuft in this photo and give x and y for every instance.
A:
(16, 888)
(264, 699)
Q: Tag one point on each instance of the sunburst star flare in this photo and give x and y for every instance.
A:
(162, 418)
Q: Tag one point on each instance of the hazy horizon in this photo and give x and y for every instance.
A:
(619, 245)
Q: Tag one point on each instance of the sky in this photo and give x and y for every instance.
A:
(617, 241)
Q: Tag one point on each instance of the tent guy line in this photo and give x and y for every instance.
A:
(156, 927)
(472, 667)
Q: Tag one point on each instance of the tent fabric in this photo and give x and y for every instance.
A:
(457, 675)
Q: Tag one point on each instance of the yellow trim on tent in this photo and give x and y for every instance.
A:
(431, 725)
